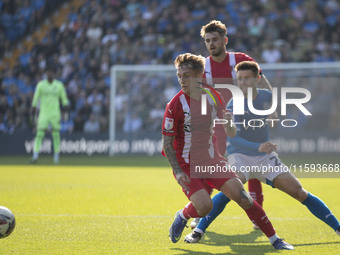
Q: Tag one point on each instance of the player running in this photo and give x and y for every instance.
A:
(251, 147)
(49, 91)
(187, 142)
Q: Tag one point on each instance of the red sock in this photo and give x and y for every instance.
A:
(255, 191)
(189, 211)
(257, 215)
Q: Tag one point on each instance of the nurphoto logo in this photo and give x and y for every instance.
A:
(238, 106)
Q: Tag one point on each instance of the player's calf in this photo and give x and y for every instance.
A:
(204, 209)
(244, 200)
(201, 203)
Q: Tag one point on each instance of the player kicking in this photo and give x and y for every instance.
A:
(219, 69)
(49, 91)
(251, 147)
(187, 142)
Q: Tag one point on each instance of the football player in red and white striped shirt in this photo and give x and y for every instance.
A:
(219, 69)
(187, 143)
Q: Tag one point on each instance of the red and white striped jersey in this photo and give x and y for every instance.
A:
(193, 131)
(223, 73)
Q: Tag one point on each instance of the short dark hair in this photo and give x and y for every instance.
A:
(195, 62)
(248, 65)
(214, 26)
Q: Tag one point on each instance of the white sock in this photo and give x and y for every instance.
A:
(56, 157)
(199, 231)
(273, 238)
(182, 215)
(35, 155)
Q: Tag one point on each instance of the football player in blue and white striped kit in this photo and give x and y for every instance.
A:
(250, 151)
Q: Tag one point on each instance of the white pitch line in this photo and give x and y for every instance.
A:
(142, 216)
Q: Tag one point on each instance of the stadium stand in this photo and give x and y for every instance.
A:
(90, 37)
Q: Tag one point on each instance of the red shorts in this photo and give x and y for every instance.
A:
(208, 184)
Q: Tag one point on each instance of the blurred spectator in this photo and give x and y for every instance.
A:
(170, 91)
(271, 54)
(92, 125)
(255, 24)
(8, 7)
(109, 37)
(94, 32)
(3, 126)
(78, 124)
(121, 97)
(132, 123)
(85, 110)
(11, 127)
(155, 118)
(66, 124)
(323, 56)
(95, 96)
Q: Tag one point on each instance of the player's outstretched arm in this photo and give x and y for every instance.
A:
(170, 153)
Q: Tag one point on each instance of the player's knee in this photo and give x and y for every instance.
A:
(204, 208)
(301, 194)
(40, 133)
(242, 177)
(244, 200)
(55, 133)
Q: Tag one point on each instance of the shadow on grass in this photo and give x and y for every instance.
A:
(237, 244)
(311, 244)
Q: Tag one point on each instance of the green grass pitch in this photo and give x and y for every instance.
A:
(120, 209)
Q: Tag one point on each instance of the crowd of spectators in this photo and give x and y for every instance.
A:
(102, 33)
(19, 18)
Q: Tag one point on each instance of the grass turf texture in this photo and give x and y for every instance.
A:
(128, 210)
